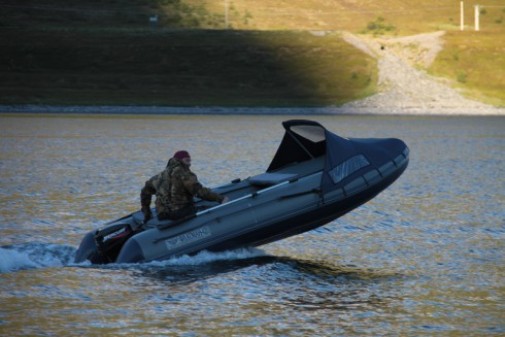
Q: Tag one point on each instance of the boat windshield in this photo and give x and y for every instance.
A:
(314, 133)
(303, 140)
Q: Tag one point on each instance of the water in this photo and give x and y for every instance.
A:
(424, 258)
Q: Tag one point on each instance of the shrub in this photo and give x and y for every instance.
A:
(461, 76)
(379, 26)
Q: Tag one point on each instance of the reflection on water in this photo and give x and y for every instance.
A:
(423, 258)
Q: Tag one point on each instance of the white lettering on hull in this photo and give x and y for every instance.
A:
(189, 237)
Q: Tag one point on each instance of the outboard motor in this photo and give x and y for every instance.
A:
(103, 246)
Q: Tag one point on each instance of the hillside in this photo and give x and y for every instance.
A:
(403, 89)
(233, 52)
(182, 67)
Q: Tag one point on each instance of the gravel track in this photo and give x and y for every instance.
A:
(403, 88)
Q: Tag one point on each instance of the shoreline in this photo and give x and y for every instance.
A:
(404, 88)
(215, 110)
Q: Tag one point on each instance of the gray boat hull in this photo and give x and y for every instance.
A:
(288, 199)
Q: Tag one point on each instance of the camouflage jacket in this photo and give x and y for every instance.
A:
(185, 186)
(159, 185)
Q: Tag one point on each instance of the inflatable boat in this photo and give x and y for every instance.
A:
(314, 178)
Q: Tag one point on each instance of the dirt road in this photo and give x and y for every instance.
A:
(403, 87)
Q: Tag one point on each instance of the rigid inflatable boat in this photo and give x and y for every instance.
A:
(314, 178)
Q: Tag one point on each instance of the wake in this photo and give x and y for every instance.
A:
(45, 255)
(35, 255)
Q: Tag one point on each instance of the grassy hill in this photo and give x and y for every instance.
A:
(183, 67)
(229, 52)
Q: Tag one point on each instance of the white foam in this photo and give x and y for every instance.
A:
(34, 255)
(204, 257)
(12, 260)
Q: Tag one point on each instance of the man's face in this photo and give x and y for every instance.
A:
(187, 161)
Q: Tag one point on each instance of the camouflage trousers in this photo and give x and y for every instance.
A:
(178, 214)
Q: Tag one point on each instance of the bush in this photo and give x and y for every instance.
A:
(379, 26)
(461, 77)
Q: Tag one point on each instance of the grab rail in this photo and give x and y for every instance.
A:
(251, 195)
(248, 196)
(255, 194)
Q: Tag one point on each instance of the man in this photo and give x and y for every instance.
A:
(175, 188)
(160, 186)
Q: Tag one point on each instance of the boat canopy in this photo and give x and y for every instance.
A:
(302, 141)
(305, 140)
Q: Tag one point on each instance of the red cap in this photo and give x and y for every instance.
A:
(181, 155)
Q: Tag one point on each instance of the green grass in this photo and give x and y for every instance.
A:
(96, 52)
(182, 67)
(475, 63)
(480, 70)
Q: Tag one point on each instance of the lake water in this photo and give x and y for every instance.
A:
(424, 258)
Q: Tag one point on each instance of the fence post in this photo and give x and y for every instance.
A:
(477, 18)
(461, 16)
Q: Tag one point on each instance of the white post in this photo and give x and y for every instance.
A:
(461, 16)
(477, 18)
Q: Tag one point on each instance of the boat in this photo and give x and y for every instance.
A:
(314, 178)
